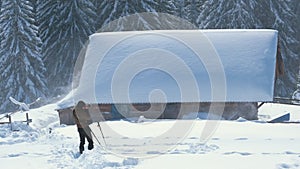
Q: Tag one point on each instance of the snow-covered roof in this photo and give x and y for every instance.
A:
(178, 66)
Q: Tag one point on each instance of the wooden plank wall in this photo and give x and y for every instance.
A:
(101, 112)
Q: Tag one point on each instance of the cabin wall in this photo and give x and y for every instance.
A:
(66, 116)
(102, 112)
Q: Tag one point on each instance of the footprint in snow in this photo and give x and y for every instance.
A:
(283, 166)
(215, 138)
(241, 139)
(75, 155)
(240, 153)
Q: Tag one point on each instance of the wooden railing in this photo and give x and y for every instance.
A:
(9, 116)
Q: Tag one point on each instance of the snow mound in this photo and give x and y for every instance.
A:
(130, 161)
(17, 132)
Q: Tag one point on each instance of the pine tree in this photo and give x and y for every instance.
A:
(68, 30)
(283, 18)
(193, 9)
(228, 14)
(188, 10)
(46, 16)
(165, 6)
(180, 9)
(279, 15)
(130, 15)
(47, 19)
(22, 69)
(0, 18)
(126, 15)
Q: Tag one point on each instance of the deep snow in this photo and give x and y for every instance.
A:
(170, 66)
(234, 144)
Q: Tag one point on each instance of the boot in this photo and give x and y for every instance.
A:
(81, 149)
(90, 146)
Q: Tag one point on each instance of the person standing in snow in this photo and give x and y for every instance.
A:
(82, 120)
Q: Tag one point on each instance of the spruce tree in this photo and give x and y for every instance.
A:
(193, 9)
(228, 14)
(113, 15)
(46, 19)
(165, 6)
(0, 18)
(188, 10)
(284, 19)
(68, 30)
(180, 9)
(22, 69)
(271, 14)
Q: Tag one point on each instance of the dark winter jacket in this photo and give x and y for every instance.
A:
(81, 115)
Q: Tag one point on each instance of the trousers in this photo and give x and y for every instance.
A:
(85, 133)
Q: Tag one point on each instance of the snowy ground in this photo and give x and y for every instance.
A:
(234, 144)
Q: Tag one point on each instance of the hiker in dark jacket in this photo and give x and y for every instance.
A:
(83, 119)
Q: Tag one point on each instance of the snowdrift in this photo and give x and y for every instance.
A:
(174, 66)
(235, 144)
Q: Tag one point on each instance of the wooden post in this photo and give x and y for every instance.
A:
(27, 119)
(9, 120)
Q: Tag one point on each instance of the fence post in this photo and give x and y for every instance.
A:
(27, 119)
(9, 120)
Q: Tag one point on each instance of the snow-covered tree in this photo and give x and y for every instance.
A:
(188, 9)
(46, 16)
(113, 15)
(47, 19)
(165, 6)
(274, 14)
(286, 23)
(228, 14)
(132, 15)
(22, 69)
(282, 17)
(180, 9)
(0, 18)
(64, 27)
(193, 9)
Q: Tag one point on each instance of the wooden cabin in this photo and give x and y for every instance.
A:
(240, 64)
